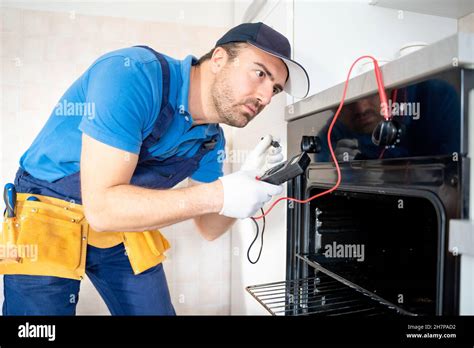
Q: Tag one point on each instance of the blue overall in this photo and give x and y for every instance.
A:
(108, 269)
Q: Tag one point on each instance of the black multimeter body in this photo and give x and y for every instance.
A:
(287, 170)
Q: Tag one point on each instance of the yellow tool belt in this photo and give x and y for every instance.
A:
(50, 236)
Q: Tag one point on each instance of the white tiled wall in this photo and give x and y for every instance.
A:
(198, 271)
(42, 53)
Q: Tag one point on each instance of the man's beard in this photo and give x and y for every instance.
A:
(227, 109)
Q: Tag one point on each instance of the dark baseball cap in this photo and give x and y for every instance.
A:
(272, 42)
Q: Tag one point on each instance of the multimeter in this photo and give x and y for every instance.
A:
(287, 170)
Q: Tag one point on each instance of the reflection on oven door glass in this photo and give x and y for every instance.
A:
(428, 114)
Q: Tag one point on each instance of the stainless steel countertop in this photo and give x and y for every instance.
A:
(456, 50)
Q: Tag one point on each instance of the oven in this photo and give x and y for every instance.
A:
(387, 241)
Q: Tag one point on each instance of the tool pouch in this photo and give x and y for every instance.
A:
(46, 237)
(50, 237)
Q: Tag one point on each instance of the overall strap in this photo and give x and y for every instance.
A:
(165, 71)
(166, 113)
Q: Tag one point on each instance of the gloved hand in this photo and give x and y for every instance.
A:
(346, 149)
(244, 195)
(263, 156)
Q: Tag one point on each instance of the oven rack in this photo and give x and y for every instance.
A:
(317, 266)
(327, 294)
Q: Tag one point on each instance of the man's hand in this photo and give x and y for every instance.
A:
(346, 149)
(244, 195)
(263, 156)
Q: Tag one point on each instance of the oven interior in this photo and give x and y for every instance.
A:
(362, 254)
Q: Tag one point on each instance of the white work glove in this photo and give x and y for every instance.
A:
(346, 149)
(263, 156)
(244, 195)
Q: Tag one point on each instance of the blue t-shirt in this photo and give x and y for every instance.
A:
(117, 101)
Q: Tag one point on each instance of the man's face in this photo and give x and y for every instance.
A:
(363, 116)
(245, 85)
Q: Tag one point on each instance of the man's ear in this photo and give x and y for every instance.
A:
(219, 59)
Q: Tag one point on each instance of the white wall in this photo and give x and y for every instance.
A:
(212, 13)
(326, 36)
(330, 35)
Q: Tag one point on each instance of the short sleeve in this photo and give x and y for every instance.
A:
(210, 167)
(121, 98)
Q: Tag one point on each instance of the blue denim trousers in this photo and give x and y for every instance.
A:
(111, 273)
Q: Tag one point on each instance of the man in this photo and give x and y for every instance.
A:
(148, 122)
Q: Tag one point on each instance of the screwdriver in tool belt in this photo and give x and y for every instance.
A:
(9, 197)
